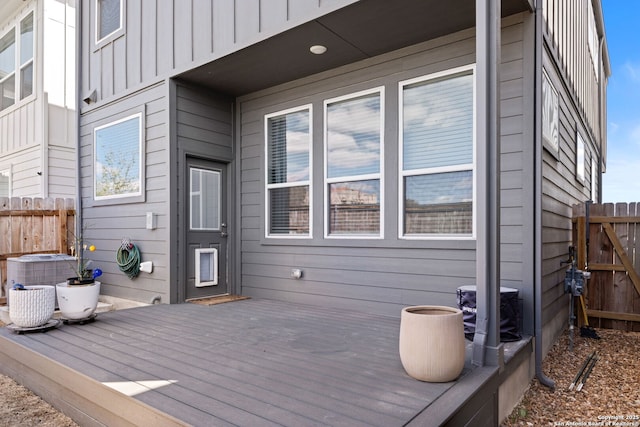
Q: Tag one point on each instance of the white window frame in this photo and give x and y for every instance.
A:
(18, 67)
(308, 182)
(354, 178)
(114, 34)
(126, 197)
(550, 99)
(402, 174)
(581, 156)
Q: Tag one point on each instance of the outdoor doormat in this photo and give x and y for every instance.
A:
(217, 300)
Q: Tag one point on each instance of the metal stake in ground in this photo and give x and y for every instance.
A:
(586, 374)
(581, 371)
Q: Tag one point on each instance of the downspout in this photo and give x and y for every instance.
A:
(487, 349)
(601, 135)
(78, 59)
(44, 103)
(537, 233)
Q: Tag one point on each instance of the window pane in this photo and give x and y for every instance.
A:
(353, 136)
(205, 199)
(8, 89)
(109, 21)
(289, 140)
(211, 200)
(118, 159)
(7, 54)
(26, 39)
(355, 207)
(26, 81)
(439, 203)
(289, 210)
(438, 123)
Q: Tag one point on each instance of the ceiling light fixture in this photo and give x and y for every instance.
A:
(318, 49)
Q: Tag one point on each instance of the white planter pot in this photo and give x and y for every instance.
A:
(33, 306)
(432, 342)
(77, 302)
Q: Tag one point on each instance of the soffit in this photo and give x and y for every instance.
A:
(364, 29)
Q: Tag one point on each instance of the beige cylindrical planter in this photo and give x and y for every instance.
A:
(33, 306)
(432, 342)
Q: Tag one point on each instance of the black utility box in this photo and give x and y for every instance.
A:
(509, 312)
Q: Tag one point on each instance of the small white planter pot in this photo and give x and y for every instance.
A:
(77, 302)
(432, 342)
(33, 306)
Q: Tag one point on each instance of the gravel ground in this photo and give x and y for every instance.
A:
(611, 396)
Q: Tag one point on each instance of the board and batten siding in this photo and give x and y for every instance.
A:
(165, 37)
(387, 274)
(566, 32)
(107, 224)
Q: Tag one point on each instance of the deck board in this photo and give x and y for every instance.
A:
(252, 362)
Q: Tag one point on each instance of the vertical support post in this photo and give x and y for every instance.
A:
(486, 344)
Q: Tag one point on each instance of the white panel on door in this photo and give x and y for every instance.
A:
(206, 267)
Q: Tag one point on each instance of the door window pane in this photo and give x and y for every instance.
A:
(205, 199)
(288, 173)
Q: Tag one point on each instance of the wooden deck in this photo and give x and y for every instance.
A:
(249, 363)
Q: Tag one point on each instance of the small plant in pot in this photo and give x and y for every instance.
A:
(78, 297)
(84, 274)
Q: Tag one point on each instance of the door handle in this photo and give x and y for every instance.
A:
(223, 230)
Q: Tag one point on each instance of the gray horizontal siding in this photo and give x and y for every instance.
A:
(560, 191)
(382, 275)
(129, 219)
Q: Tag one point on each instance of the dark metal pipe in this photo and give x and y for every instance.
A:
(542, 378)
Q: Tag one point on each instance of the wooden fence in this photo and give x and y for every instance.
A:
(607, 240)
(34, 225)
